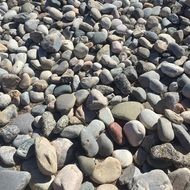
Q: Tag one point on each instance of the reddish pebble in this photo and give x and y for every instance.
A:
(115, 131)
(178, 108)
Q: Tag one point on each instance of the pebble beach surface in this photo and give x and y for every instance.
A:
(94, 95)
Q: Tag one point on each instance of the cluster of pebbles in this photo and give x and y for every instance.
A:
(95, 94)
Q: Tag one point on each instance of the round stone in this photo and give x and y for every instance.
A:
(135, 132)
(107, 187)
(107, 171)
(124, 156)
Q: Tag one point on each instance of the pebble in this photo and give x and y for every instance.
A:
(148, 118)
(124, 156)
(89, 143)
(127, 110)
(185, 116)
(185, 90)
(173, 117)
(107, 187)
(9, 133)
(46, 158)
(64, 103)
(165, 130)
(135, 132)
(20, 139)
(7, 155)
(107, 171)
(62, 179)
(139, 94)
(171, 69)
(96, 100)
(105, 115)
(99, 37)
(63, 149)
(106, 77)
(177, 50)
(87, 186)
(61, 124)
(89, 82)
(5, 100)
(81, 50)
(105, 145)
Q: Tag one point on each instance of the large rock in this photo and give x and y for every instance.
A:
(107, 171)
(69, 178)
(10, 179)
(127, 110)
(46, 156)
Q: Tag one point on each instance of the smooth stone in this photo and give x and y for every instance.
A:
(147, 180)
(95, 127)
(23, 122)
(81, 50)
(107, 171)
(38, 109)
(127, 110)
(36, 97)
(63, 149)
(89, 82)
(64, 103)
(72, 131)
(116, 133)
(96, 100)
(55, 13)
(106, 77)
(9, 133)
(128, 174)
(106, 116)
(148, 118)
(171, 69)
(107, 187)
(185, 115)
(81, 96)
(165, 130)
(26, 149)
(12, 45)
(131, 73)
(186, 67)
(139, 94)
(47, 123)
(105, 145)
(63, 89)
(182, 135)
(10, 179)
(186, 90)
(177, 50)
(87, 186)
(5, 100)
(7, 155)
(180, 179)
(156, 86)
(124, 156)
(89, 143)
(135, 132)
(63, 178)
(86, 164)
(38, 180)
(46, 158)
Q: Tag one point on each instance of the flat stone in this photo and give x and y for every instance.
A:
(46, 157)
(64, 103)
(124, 156)
(23, 122)
(135, 132)
(173, 117)
(55, 13)
(81, 96)
(149, 118)
(99, 37)
(89, 82)
(63, 149)
(127, 110)
(62, 179)
(20, 139)
(7, 155)
(177, 50)
(10, 179)
(107, 171)
(147, 180)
